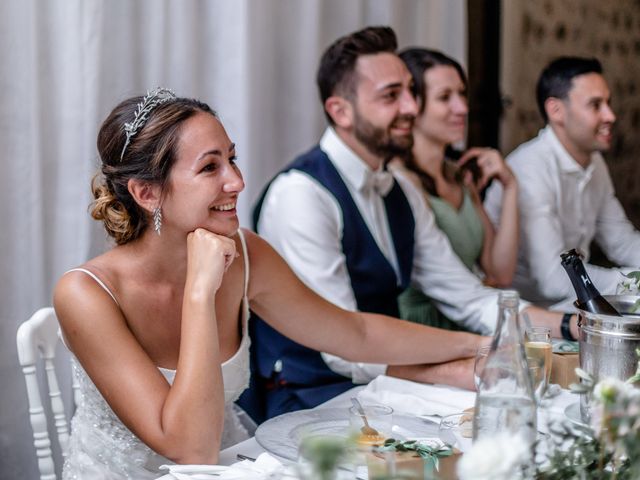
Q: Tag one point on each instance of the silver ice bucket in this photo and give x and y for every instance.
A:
(608, 344)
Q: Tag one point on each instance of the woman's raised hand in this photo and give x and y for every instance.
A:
(490, 163)
(208, 257)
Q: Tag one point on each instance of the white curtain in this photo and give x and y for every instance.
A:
(66, 63)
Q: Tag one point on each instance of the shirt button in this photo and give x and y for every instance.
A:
(277, 366)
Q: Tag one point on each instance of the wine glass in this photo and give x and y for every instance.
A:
(456, 430)
(371, 423)
(538, 348)
(478, 366)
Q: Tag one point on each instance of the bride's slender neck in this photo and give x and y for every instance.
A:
(160, 257)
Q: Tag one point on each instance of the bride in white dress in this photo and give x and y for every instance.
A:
(128, 457)
(157, 324)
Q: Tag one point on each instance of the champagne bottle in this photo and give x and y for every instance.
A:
(588, 297)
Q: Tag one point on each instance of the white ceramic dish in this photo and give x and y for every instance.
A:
(572, 411)
(281, 435)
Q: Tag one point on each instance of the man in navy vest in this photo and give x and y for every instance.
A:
(355, 234)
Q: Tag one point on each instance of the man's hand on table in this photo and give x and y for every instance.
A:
(457, 373)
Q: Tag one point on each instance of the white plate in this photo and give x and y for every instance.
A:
(281, 435)
(572, 412)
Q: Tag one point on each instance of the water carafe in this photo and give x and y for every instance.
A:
(505, 400)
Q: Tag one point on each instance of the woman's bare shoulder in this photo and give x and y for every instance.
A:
(105, 269)
(256, 245)
(88, 288)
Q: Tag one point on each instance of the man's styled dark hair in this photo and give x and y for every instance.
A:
(336, 73)
(556, 79)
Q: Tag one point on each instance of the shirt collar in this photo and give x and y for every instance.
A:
(351, 167)
(565, 161)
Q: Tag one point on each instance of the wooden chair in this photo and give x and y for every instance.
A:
(38, 337)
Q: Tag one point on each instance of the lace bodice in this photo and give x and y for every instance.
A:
(101, 447)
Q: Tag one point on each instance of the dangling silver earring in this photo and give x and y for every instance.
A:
(157, 219)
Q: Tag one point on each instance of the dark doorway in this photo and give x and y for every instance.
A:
(485, 107)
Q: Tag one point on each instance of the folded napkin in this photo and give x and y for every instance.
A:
(264, 467)
(414, 398)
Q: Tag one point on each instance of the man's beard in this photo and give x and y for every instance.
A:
(379, 141)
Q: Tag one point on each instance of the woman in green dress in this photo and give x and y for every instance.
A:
(451, 182)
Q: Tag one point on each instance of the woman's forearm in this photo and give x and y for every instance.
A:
(193, 413)
(392, 341)
(504, 255)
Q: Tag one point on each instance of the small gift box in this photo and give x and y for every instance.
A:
(563, 369)
(413, 459)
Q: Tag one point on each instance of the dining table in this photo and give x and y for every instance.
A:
(429, 401)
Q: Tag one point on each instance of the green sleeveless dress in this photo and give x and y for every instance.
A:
(464, 229)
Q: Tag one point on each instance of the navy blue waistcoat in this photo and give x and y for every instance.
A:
(295, 376)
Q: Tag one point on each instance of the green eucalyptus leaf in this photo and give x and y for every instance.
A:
(635, 275)
(584, 375)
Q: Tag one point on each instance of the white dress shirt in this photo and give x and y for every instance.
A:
(562, 206)
(303, 222)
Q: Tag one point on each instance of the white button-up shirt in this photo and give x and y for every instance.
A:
(303, 222)
(562, 206)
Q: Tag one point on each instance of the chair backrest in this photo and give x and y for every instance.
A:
(38, 337)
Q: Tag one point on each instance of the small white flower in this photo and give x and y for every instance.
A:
(500, 457)
(611, 390)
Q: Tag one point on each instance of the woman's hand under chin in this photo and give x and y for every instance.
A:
(209, 256)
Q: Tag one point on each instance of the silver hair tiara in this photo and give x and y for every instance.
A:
(150, 101)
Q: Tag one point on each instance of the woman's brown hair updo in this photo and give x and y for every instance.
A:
(148, 157)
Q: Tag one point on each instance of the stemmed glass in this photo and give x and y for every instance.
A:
(456, 430)
(538, 348)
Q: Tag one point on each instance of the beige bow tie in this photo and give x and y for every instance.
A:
(380, 181)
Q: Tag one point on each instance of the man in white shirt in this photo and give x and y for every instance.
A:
(566, 197)
(357, 235)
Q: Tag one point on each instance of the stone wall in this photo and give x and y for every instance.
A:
(536, 31)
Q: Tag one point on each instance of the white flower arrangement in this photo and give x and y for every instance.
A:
(610, 395)
(501, 457)
(631, 284)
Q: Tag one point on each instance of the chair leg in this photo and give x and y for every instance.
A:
(39, 425)
(57, 407)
